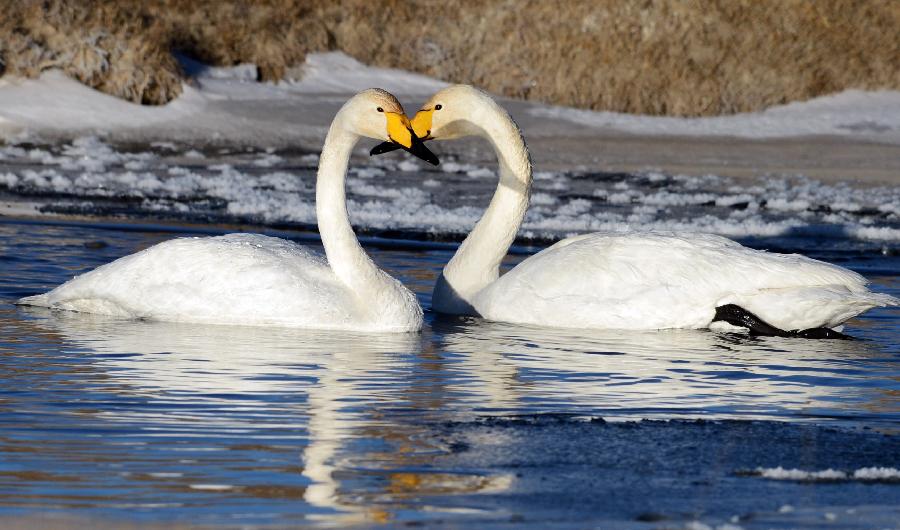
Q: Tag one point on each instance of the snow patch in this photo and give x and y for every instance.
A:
(55, 102)
(866, 474)
(336, 72)
(873, 115)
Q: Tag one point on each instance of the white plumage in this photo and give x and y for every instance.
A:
(653, 280)
(247, 279)
(252, 279)
(634, 280)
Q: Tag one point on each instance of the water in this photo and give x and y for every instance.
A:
(467, 423)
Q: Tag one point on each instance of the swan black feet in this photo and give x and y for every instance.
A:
(738, 316)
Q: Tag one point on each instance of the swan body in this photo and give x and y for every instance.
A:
(252, 279)
(242, 279)
(656, 280)
(631, 280)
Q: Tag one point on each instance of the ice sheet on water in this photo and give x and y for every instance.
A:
(398, 193)
(865, 474)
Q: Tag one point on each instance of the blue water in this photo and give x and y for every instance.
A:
(467, 423)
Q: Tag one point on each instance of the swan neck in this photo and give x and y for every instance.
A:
(476, 263)
(346, 256)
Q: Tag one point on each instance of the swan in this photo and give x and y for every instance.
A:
(636, 280)
(252, 279)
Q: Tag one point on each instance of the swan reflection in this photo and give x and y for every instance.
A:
(639, 374)
(367, 416)
(270, 385)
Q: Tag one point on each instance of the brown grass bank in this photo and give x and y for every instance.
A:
(676, 57)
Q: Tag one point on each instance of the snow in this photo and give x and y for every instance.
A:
(229, 103)
(779, 473)
(55, 102)
(268, 160)
(697, 525)
(872, 115)
(397, 193)
(335, 72)
(482, 172)
(866, 474)
(221, 103)
(178, 174)
(877, 473)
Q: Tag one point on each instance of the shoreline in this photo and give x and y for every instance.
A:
(851, 136)
(556, 143)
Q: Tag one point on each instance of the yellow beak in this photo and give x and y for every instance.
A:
(399, 129)
(421, 124)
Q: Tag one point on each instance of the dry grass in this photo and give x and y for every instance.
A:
(676, 57)
(109, 49)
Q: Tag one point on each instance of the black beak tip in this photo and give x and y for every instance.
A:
(418, 149)
(430, 157)
(384, 147)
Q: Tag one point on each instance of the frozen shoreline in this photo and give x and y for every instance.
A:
(852, 136)
(395, 194)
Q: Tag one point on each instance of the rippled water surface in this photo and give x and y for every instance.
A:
(467, 423)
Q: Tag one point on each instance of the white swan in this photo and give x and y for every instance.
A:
(252, 279)
(636, 280)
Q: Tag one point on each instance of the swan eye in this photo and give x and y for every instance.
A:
(438, 107)
(379, 109)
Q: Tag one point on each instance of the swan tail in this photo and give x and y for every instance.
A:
(883, 300)
(38, 300)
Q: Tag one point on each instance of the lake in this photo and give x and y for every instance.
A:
(468, 423)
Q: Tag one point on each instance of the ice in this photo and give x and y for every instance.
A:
(827, 475)
(450, 166)
(779, 473)
(546, 175)
(286, 182)
(408, 165)
(877, 473)
(780, 203)
(367, 172)
(193, 153)
(481, 172)
(268, 160)
(169, 146)
(9, 180)
(401, 194)
(543, 199)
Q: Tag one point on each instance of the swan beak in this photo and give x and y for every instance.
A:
(418, 149)
(399, 129)
(421, 124)
(402, 135)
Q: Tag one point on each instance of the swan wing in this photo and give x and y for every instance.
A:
(654, 280)
(233, 279)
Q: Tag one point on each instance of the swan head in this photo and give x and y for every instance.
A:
(451, 113)
(376, 113)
